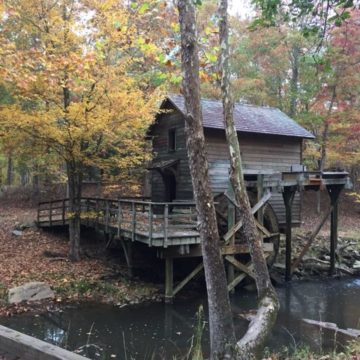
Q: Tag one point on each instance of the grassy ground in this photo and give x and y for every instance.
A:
(25, 258)
(351, 352)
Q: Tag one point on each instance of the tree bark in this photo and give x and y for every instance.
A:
(262, 324)
(10, 171)
(222, 338)
(75, 187)
(295, 53)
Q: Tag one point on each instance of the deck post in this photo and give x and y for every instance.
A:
(334, 192)
(50, 213)
(133, 221)
(63, 211)
(107, 215)
(288, 196)
(119, 219)
(166, 224)
(96, 214)
(150, 224)
(169, 279)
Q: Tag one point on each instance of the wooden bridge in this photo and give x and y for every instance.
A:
(172, 227)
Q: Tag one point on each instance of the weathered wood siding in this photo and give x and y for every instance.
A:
(160, 130)
(264, 152)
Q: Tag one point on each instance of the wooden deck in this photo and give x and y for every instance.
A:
(154, 224)
(172, 227)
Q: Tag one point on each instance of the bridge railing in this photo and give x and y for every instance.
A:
(131, 216)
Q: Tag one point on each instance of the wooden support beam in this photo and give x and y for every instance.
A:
(107, 215)
(150, 224)
(195, 251)
(166, 225)
(63, 212)
(169, 279)
(133, 221)
(50, 213)
(334, 193)
(188, 278)
(127, 248)
(263, 229)
(264, 199)
(311, 239)
(119, 219)
(240, 266)
(257, 206)
(288, 196)
(239, 278)
(233, 230)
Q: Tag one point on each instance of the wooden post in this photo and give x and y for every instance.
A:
(169, 280)
(166, 224)
(133, 210)
(334, 192)
(119, 219)
(260, 193)
(288, 196)
(107, 215)
(97, 214)
(150, 224)
(50, 213)
(63, 211)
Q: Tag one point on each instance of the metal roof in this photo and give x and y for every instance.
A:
(248, 118)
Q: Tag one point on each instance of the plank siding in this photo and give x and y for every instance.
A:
(259, 152)
(159, 132)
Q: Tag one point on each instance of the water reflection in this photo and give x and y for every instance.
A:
(139, 332)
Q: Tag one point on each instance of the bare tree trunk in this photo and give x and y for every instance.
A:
(324, 143)
(261, 326)
(295, 53)
(222, 338)
(10, 171)
(75, 186)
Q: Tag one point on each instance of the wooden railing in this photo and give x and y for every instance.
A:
(134, 217)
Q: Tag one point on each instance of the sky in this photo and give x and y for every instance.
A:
(242, 8)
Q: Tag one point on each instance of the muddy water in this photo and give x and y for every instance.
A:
(139, 332)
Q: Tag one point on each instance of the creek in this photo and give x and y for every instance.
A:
(140, 331)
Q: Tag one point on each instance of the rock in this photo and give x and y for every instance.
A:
(17, 232)
(32, 291)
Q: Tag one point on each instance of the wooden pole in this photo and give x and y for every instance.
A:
(333, 237)
(166, 225)
(334, 192)
(169, 280)
(288, 196)
(150, 224)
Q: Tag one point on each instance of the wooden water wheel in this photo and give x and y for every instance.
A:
(269, 228)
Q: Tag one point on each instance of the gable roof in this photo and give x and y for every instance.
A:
(248, 118)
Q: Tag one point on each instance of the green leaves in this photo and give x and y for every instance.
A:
(144, 7)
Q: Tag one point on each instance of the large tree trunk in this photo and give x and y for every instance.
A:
(222, 338)
(261, 326)
(75, 186)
